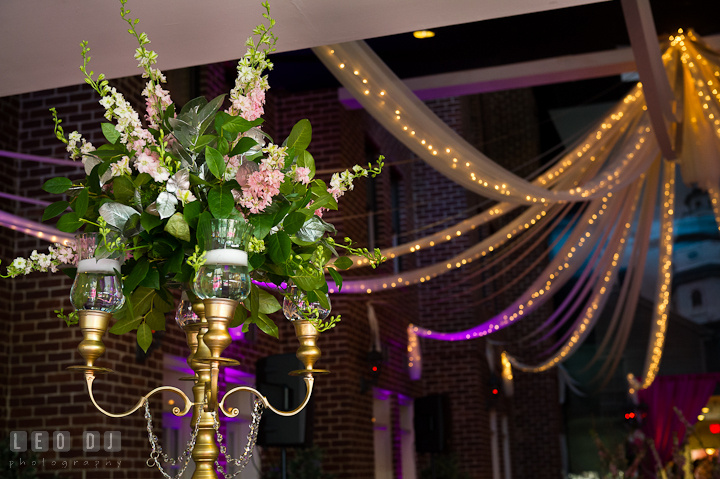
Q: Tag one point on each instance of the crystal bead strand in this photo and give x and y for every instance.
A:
(157, 452)
(252, 438)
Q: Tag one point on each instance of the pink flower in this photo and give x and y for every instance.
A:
(302, 175)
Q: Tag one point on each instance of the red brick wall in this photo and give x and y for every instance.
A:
(38, 347)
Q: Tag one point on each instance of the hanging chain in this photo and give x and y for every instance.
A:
(252, 438)
(157, 452)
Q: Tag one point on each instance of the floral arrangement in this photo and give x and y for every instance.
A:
(157, 182)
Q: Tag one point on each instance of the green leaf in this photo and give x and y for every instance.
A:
(123, 189)
(262, 223)
(215, 162)
(55, 209)
(203, 141)
(309, 280)
(196, 180)
(314, 229)
(336, 277)
(174, 264)
(256, 260)
(144, 336)
(322, 298)
(221, 201)
(306, 160)
(343, 262)
(280, 213)
(204, 220)
(267, 326)
(136, 276)
(142, 178)
(300, 136)
(151, 280)
(239, 318)
(81, 202)
(178, 227)
(69, 223)
(70, 272)
(279, 247)
(57, 185)
(110, 133)
(142, 299)
(254, 300)
(164, 301)
(132, 226)
(321, 256)
(155, 320)
(125, 325)
(192, 213)
(242, 146)
(268, 303)
(149, 221)
(293, 222)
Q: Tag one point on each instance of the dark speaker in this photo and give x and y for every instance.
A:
(432, 423)
(285, 393)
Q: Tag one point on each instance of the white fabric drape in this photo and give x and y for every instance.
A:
(397, 108)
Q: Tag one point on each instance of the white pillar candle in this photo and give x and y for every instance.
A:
(228, 256)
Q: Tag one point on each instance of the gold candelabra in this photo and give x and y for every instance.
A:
(207, 340)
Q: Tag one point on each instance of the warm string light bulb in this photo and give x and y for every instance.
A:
(662, 300)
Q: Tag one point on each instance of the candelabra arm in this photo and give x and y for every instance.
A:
(89, 377)
(309, 381)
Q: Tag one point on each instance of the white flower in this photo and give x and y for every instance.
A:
(121, 167)
(19, 263)
(107, 102)
(74, 136)
(185, 196)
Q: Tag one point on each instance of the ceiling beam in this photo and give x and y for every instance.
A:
(521, 75)
(659, 97)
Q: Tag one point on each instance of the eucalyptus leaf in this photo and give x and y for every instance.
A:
(116, 214)
(166, 204)
(179, 181)
(314, 229)
(178, 227)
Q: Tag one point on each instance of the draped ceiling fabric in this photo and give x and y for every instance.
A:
(397, 108)
(611, 171)
(622, 142)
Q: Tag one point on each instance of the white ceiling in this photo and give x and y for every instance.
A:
(39, 40)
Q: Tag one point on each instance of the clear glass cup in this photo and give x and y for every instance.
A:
(98, 284)
(295, 302)
(225, 273)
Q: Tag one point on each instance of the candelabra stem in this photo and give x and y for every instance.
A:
(206, 450)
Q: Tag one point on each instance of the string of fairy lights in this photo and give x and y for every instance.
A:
(386, 98)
